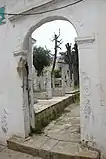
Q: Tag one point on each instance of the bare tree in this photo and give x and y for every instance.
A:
(57, 45)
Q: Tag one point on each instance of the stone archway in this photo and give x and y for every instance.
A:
(90, 34)
(40, 23)
(27, 48)
(85, 44)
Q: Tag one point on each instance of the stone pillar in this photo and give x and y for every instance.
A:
(63, 81)
(48, 85)
(35, 80)
(53, 82)
(68, 88)
(37, 83)
(72, 83)
(41, 82)
(68, 81)
(89, 79)
(30, 82)
(21, 58)
(34, 83)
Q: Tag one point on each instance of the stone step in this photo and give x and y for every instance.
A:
(5, 153)
(46, 148)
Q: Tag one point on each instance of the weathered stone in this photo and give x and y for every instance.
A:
(87, 154)
(62, 150)
(66, 148)
(50, 144)
(57, 141)
(37, 141)
(47, 110)
(10, 154)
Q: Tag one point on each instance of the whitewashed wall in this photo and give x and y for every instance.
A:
(88, 19)
(11, 97)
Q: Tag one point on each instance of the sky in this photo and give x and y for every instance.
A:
(45, 33)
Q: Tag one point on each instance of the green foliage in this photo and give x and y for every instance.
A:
(41, 59)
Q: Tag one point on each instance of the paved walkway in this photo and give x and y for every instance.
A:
(67, 127)
(57, 136)
(60, 138)
(9, 154)
(61, 134)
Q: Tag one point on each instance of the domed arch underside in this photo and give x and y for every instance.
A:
(40, 23)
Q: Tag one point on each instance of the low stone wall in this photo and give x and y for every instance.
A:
(40, 95)
(58, 92)
(43, 118)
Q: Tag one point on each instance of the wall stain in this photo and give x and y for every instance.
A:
(4, 124)
(87, 108)
(86, 85)
(100, 91)
(21, 67)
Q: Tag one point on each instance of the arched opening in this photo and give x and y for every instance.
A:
(44, 37)
(42, 22)
(16, 36)
(64, 85)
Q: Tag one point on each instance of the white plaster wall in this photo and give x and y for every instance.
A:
(101, 113)
(95, 128)
(11, 97)
(88, 19)
(22, 5)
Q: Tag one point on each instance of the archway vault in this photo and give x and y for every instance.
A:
(40, 23)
